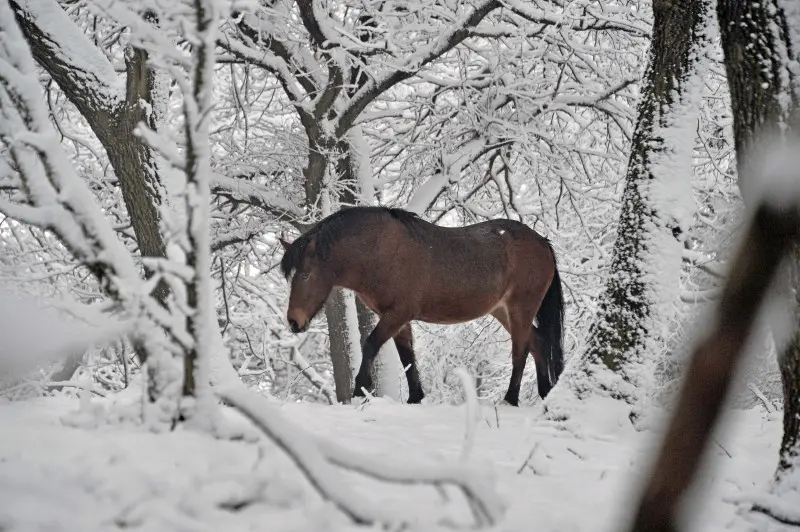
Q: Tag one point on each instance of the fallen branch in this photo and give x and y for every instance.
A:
(313, 377)
(58, 385)
(768, 406)
(316, 458)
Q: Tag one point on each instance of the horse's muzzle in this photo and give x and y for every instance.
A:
(296, 329)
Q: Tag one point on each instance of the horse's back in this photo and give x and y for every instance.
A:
(459, 273)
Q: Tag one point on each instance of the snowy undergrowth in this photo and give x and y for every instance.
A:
(64, 474)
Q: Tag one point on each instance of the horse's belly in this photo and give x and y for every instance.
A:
(457, 310)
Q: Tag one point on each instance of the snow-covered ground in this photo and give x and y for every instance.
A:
(58, 472)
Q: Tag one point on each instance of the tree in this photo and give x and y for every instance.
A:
(656, 203)
(759, 45)
(113, 108)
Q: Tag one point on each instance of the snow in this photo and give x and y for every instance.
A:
(58, 472)
(33, 335)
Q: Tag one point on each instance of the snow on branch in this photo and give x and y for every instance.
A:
(295, 62)
(276, 64)
(57, 198)
(316, 458)
(448, 40)
(74, 62)
(590, 21)
(256, 195)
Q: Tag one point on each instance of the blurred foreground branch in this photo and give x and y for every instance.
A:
(770, 236)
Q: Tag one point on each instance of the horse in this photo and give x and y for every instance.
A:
(404, 268)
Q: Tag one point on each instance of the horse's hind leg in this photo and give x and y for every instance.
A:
(404, 340)
(520, 334)
(388, 326)
(542, 375)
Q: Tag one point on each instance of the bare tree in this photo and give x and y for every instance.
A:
(646, 258)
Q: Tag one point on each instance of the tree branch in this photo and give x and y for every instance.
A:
(316, 457)
(257, 195)
(446, 42)
(769, 238)
(72, 60)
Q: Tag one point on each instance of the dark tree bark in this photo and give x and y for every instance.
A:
(761, 85)
(341, 345)
(620, 330)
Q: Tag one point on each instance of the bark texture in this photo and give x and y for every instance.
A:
(755, 43)
(341, 345)
(620, 330)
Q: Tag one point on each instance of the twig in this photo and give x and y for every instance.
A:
(313, 377)
(767, 404)
(723, 448)
(528, 459)
(769, 513)
(73, 384)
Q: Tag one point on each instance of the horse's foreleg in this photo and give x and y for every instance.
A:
(388, 326)
(404, 340)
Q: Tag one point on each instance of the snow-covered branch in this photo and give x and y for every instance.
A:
(74, 62)
(316, 457)
(254, 194)
(448, 40)
(589, 21)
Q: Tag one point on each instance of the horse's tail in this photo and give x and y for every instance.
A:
(551, 330)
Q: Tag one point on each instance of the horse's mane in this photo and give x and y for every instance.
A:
(332, 228)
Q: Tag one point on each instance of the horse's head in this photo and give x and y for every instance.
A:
(311, 282)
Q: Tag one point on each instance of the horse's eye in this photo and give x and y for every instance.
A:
(304, 276)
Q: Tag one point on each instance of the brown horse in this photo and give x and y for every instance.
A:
(404, 268)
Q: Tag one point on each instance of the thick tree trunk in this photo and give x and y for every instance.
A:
(342, 345)
(762, 95)
(113, 123)
(644, 264)
(758, 47)
(789, 363)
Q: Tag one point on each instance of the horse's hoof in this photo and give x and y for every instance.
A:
(415, 399)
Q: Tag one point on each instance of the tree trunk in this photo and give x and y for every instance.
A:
(757, 42)
(789, 363)
(646, 259)
(112, 120)
(762, 95)
(89, 82)
(344, 348)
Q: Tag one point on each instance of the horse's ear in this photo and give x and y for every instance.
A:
(284, 243)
